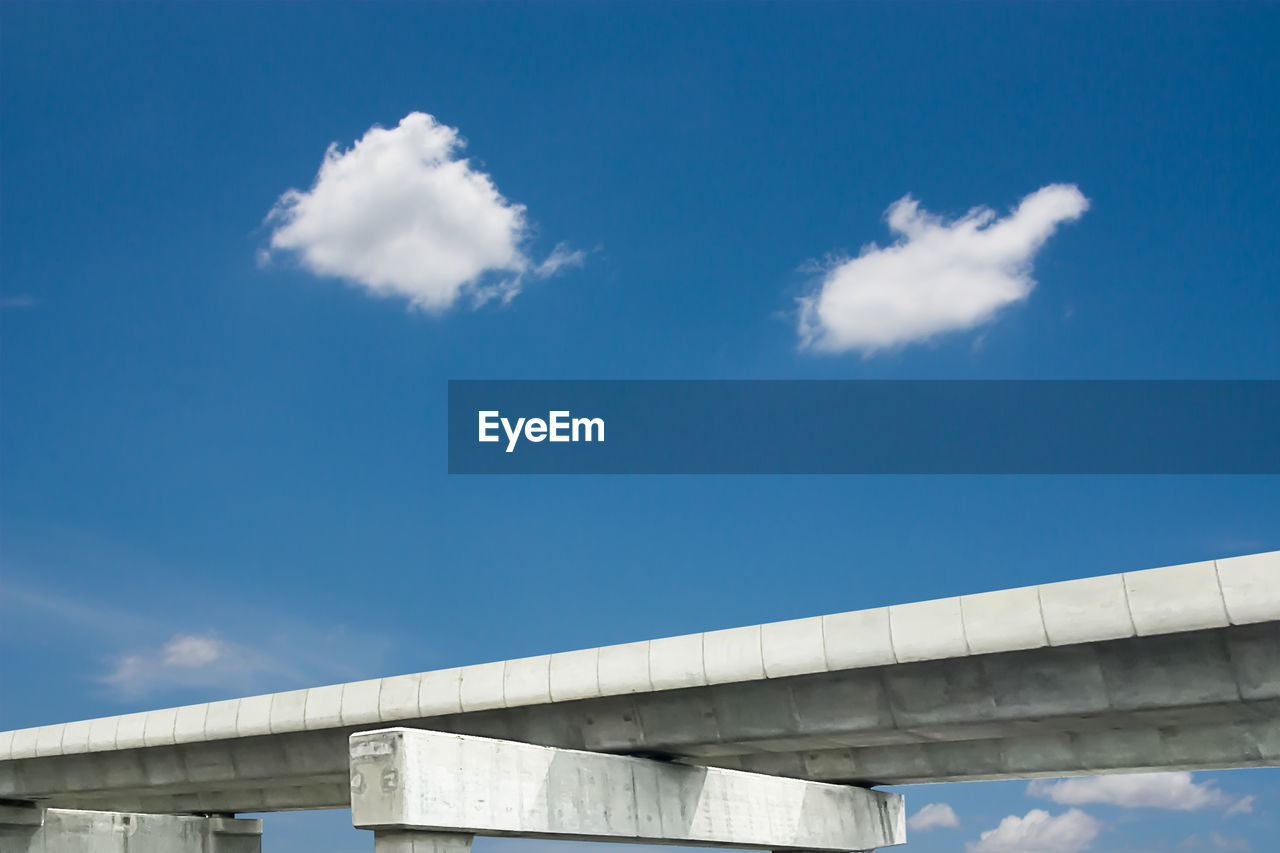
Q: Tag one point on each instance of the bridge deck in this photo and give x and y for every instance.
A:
(1166, 668)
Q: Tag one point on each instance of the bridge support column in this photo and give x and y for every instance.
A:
(414, 841)
(428, 792)
(39, 830)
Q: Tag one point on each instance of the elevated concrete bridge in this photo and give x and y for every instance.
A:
(1171, 668)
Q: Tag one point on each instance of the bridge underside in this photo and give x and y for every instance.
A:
(1195, 700)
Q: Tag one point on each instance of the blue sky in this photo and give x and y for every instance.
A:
(202, 438)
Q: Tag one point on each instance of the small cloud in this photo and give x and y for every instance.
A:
(193, 651)
(137, 650)
(293, 654)
(187, 661)
(939, 276)
(21, 300)
(933, 816)
(1039, 832)
(1213, 841)
(401, 214)
(1244, 805)
(561, 257)
(1174, 791)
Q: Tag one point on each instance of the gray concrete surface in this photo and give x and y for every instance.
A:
(413, 841)
(36, 830)
(404, 778)
(1173, 668)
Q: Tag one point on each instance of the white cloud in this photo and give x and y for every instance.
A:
(938, 276)
(1039, 832)
(1214, 841)
(186, 651)
(186, 660)
(932, 816)
(1175, 791)
(293, 654)
(401, 214)
(1244, 805)
(136, 648)
(560, 258)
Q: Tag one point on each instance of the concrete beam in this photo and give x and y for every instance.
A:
(1175, 668)
(1217, 691)
(1175, 600)
(411, 779)
(884, 725)
(1032, 755)
(38, 830)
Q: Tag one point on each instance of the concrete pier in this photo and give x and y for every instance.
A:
(30, 829)
(415, 841)
(410, 779)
